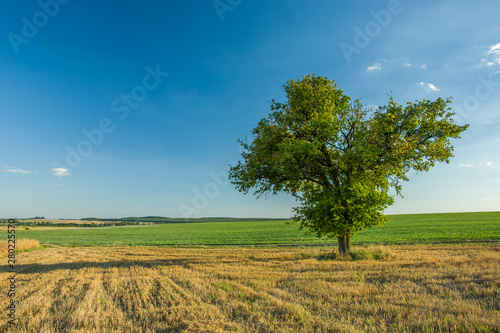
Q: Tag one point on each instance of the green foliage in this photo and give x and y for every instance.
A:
(340, 159)
(225, 287)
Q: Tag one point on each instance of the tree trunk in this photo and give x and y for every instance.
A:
(344, 244)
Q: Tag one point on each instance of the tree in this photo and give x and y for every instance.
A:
(339, 158)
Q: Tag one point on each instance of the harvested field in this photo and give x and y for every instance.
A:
(438, 288)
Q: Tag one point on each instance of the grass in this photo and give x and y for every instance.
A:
(401, 229)
(376, 253)
(419, 288)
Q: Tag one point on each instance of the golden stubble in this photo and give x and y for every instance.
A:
(21, 245)
(153, 289)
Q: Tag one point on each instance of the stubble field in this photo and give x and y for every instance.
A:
(418, 288)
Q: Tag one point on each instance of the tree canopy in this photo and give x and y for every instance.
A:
(339, 158)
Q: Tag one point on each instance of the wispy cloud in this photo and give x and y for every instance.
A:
(471, 165)
(432, 87)
(59, 172)
(16, 170)
(492, 57)
(375, 67)
(396, 64)
(429, 86)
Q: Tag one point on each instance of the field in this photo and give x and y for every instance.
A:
(420, 288)
(231, 277)
(401, 229)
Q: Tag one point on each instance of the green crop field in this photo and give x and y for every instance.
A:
(417, 228)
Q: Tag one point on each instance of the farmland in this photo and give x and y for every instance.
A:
(231, 277)
(419, 288)
(401, 229)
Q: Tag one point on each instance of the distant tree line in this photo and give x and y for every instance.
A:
(81, 225)
(160, 219)
(93, 222)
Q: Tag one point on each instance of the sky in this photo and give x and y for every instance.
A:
(134, 108)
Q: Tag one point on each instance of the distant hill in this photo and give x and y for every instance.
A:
(161, 219)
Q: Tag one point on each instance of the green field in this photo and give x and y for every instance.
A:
(417, 228)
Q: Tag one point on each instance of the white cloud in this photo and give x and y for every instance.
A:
(492, 56)
(16, 170)
(432, 87)
(375, 67)
(429, 86)
(470, 165)
(59, 172)
(395, 64)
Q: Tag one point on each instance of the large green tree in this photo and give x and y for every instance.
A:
(339, 158)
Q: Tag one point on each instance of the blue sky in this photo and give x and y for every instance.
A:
(128, 108)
